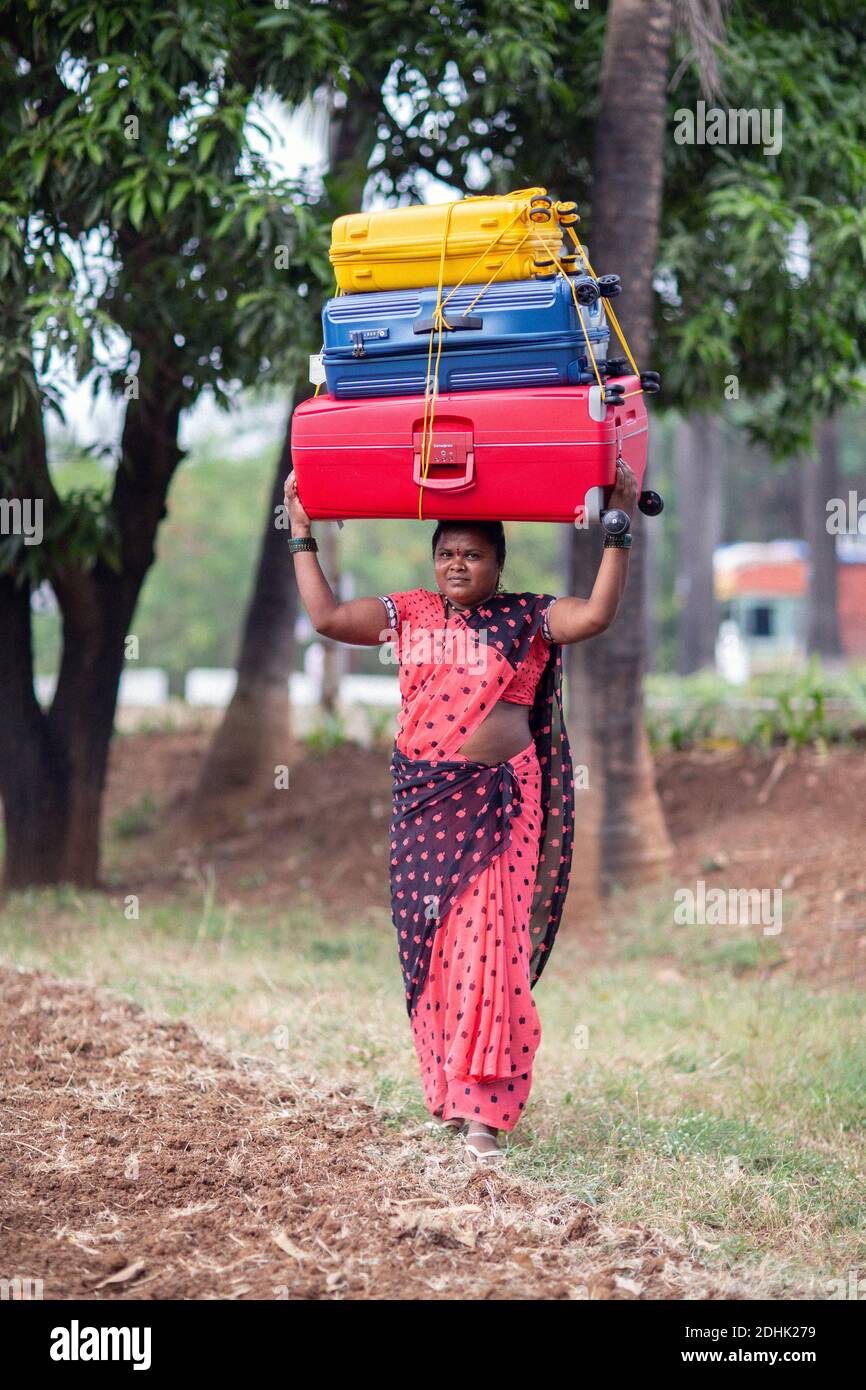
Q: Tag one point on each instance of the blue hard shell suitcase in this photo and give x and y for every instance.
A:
(519, 333)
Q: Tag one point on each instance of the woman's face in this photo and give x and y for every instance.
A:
(465, 566)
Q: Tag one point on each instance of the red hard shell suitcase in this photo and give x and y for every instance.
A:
(526, 454)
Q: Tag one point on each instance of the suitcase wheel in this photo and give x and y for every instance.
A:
(567, 214)
(586, 291)
(540, 214)
(650, 502)
(614, 395)
(616, 366)
(544, 270)
(614, 521)
(609, 286)
(651, 383)
(541, 200)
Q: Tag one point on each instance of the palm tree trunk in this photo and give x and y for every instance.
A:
(699, 465)
(652, 565)
(606, 676)
(820, 483)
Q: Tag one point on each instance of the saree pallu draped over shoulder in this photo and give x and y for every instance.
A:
(486, 844)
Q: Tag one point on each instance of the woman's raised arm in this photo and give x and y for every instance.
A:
(574, 619)
(359, 621)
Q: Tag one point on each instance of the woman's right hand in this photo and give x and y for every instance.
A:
(297, 516)
(624, 494)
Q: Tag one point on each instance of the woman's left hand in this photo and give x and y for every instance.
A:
(624, 494)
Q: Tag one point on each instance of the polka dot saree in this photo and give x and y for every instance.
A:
(480, 853)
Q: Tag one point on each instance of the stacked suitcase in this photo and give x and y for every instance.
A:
(502, 406)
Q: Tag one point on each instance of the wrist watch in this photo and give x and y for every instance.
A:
(302, 543)
(622, 541)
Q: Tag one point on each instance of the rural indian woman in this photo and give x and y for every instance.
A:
(483, 808)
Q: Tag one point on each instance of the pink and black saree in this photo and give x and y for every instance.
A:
(480, 853)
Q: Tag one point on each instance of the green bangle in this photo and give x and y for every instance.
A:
(302, 543)
(622, 541)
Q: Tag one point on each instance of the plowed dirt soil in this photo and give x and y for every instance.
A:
(140, 1162)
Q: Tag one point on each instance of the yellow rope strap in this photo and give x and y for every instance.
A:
(490, 244)
(608, 310)
(570, 284)
(430, 399)
(431, 385)
(440, 324)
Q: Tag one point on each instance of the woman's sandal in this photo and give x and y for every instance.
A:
(456, 1124)
(487, 1156)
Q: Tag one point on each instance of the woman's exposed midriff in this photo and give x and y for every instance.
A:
(504, 732)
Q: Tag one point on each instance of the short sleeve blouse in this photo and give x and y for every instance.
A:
(396, 608)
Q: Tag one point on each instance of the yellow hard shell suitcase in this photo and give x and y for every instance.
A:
(486, 238)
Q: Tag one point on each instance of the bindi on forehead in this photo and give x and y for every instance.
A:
(456, 544)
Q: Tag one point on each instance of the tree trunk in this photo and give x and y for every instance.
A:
(820, 483)
(53, 765)
(606, 675)
(81, 718)
(253, 737)
(32, 782)
(699, 465)
(652, 548)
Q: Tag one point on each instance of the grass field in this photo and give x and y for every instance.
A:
(683, 1083)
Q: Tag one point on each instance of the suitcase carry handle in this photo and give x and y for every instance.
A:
(468, 321)
(447, 450)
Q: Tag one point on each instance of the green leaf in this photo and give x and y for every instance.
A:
(40, 163)
(156, 200)
(205, 146)
(137, 209)
(178, 193)
(253, 219)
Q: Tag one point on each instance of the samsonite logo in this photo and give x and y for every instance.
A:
(443, 451)
(76, 1343)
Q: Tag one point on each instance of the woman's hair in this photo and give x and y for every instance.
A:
(493, 531)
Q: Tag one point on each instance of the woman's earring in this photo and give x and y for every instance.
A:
(499, 589)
